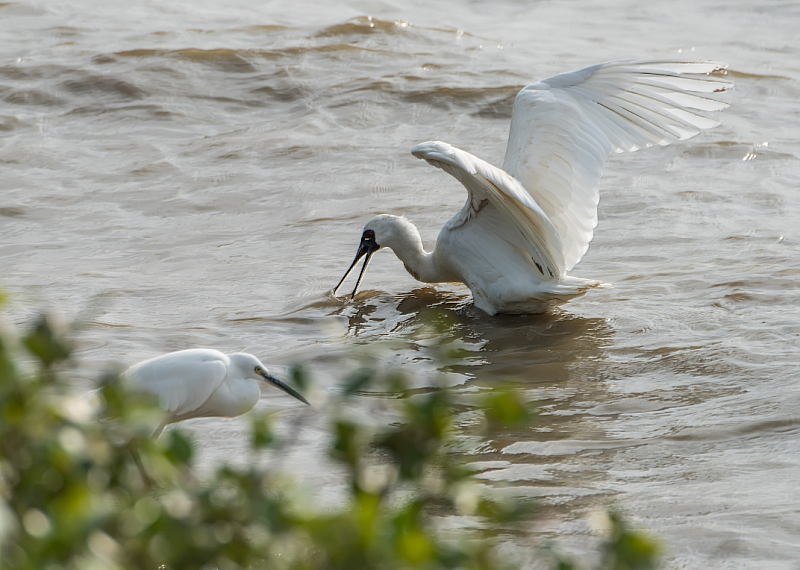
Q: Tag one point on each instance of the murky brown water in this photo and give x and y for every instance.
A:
(198, 173)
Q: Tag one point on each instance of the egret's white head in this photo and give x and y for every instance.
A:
(381, 231)
(251, 367)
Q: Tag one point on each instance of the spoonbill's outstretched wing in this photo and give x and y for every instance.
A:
(183, 381)
(497, 205)
(563, 128)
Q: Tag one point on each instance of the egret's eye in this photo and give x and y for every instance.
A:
(259, 370)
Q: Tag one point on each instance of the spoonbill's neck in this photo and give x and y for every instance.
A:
(406, 244)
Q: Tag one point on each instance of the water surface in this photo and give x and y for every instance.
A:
(198, 174)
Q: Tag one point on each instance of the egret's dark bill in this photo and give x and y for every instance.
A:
(288, 389)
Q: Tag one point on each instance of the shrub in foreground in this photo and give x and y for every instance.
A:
(79, 493)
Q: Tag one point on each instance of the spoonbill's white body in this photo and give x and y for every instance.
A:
(202, 382)
(526, 225)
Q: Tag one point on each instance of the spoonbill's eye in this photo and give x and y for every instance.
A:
(369, 234)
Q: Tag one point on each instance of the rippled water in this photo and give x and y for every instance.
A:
(198, 174)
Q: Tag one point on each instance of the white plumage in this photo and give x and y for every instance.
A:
(202, 382)
(526, 225)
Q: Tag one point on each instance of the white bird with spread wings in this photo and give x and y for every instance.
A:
(526, 225)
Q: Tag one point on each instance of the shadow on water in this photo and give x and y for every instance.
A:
(532, 350)
(564, 457)
(558, 360)
(523, 347)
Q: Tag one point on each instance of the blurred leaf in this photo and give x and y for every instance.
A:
(415, 546)
(506, 408)
(261, 432)
(178, 448)
(629, 549)
(504, 512)
(357, 381)
(80, 492)
(345, 443)
(45, 344)
(299, 377)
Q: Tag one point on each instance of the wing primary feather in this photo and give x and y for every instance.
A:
(577, 118)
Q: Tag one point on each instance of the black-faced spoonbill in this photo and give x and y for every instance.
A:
(525, 226)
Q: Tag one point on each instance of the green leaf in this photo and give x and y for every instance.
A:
(179, 449)
(43, 342)
(261, 431)
(506, 408)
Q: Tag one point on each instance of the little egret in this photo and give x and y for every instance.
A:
(525, 225)
(202, 382)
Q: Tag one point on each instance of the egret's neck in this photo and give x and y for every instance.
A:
(422, 265)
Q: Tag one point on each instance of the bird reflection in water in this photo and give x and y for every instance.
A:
(508, 344)
(556, 359)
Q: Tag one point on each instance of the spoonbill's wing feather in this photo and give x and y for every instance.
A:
(563, 128)
(183, 381)
(524, 224)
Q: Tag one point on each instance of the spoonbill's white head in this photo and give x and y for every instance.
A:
(381, 231)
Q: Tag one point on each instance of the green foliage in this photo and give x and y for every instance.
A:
(81, 493)
(505, 408)
(628, 549)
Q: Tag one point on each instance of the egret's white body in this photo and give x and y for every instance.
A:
(202, 382)
(526, 225)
